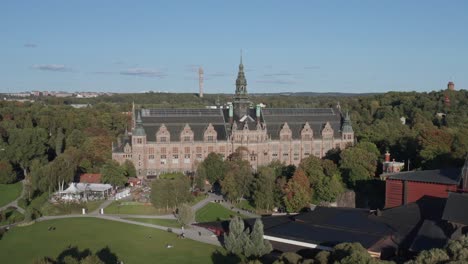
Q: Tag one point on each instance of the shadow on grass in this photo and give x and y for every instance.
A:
(74, 255)
(220, 257)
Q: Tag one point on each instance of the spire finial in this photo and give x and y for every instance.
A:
(241, 56)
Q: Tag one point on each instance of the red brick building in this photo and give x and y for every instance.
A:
(408, 187)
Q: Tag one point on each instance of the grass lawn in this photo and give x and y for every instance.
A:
(197, 199)
(123, 207)
(161, 222)
(9, 192)
(130, 243)
(10, 216)
(69, 208)
(213, 212)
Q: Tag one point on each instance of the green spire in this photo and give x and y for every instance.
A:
(241, 82)
(139, 130)
(347, 127)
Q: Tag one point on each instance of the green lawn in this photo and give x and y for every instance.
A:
(213, 212)
(9, 192)
(69, 208)
(197, 199)
(161, 222)
(131, 243)
(10, 216)
(122, 207)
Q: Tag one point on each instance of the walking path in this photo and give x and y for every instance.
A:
(15, 202)
(194, 232)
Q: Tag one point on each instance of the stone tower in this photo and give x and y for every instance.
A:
(200, 81)
(451, 86)
(138, 146)
(241, 98)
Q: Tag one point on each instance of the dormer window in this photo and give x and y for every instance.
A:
(163, 139)
(210, 138)
(187, 139)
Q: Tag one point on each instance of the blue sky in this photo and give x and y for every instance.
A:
(316, 46)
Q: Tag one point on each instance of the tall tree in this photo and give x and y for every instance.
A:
(259, 246)
(263, 188)
(185, 215)
(358, 164)
(297, 193)
(235, 240)
(212, 168)
(7, 174)
(26, 145)
(113, 174)
(238, 177)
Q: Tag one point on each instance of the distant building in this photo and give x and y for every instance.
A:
(410, 186)
(391, 166)
(451, 86)
(165, 140)
(90, 178)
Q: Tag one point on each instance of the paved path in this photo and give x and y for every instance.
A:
(15, 202)
(194, 233)
(103, 205)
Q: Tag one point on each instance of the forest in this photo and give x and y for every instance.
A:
(49, 142)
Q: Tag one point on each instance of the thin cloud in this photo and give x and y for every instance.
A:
(52, 67)
(276, 81)
(30, 45)
(217, 74)
(103, 72)
(192, 67)
(277, 74)
(144, 73)
(312, 67)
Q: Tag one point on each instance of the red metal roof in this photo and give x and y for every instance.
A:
(90, 178)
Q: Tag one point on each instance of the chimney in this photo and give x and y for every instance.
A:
(231, 113)
(387, 156)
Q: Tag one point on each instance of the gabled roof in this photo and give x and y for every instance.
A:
(90, 178)
(430, 235)
(451, 176)
(456, 209)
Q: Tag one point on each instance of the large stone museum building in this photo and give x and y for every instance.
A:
(165, 140)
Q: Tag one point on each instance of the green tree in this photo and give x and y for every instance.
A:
(329, 188)
(26, 145)
(297, 193)
(351, 253)
(358, 164)
(129, 169)
(312, 167)
(7, 174)
(235, 240)
(113, 174)
(185, 215)
(59, 141)
(263, 188)
(212, 168)
(170, 191)
(238, 178)
(258, 245)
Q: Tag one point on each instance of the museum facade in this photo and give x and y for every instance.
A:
(168, 140)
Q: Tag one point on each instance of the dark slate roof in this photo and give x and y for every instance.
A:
(175, 120)
(274, 118)
(297, 117)
(456, 208)
(430, 235)
(406, 220)
(449, 176)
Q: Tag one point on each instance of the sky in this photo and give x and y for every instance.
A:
(288, 46)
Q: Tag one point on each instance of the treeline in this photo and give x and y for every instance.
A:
(289, 188)
(434, 133)
(50, 144)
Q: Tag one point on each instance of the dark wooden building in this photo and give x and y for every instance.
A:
(408, 187)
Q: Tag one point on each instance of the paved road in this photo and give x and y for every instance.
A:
(15, 202)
